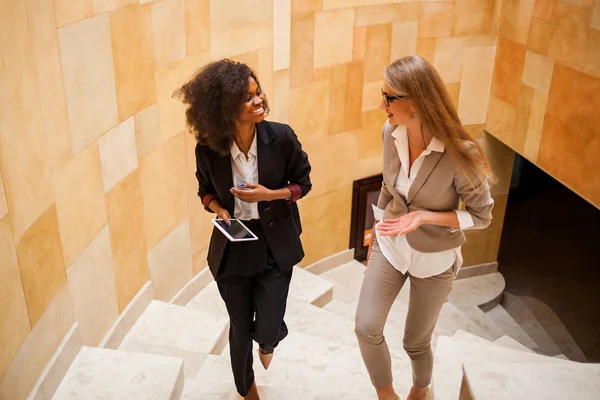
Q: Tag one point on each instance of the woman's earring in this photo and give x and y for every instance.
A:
(413, 114)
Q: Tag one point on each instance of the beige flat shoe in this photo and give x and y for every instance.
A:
(265, 358)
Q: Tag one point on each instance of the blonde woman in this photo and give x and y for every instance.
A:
(430, 163)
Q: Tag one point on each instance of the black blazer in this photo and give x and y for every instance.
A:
(281, 162)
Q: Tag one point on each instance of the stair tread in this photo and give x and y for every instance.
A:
(484, 321)
(114, 374)
(510, 327)
(499, 381)
(341, 308)
(347, 280)
(525, 318)
(510, 343)
(209, 299)
(477, 291)
(308, 287)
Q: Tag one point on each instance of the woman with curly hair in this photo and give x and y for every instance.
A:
(255, 171)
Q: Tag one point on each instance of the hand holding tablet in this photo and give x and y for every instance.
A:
(236, 231)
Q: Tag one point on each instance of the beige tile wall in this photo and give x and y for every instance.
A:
(96, 166)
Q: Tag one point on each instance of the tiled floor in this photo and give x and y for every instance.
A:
(550, 251)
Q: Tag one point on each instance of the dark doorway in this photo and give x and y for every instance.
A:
(550, 251)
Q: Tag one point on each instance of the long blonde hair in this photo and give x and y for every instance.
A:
(416, 77)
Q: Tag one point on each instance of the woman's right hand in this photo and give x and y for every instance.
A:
(220, 211)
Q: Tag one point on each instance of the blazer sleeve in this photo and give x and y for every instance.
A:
(206, 190)
(476, 196)
(384, 197)
(297, 167)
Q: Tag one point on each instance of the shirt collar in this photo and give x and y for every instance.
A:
(235, 151)
(401, 136)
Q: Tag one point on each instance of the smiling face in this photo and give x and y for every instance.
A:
(252, 108)
(399, 111)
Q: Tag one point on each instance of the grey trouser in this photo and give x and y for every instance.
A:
(381, 285)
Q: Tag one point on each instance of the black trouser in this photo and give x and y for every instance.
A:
(256, 298)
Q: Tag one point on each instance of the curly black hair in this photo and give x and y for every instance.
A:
(214, 97)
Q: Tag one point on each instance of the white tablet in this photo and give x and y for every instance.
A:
(236, 232)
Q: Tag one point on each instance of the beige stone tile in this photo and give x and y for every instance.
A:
(240, 40)
(473, 17)
(333, 41)
(539, 36)
(170, 262)
(93, 293)
(38, 348)
(51, 90)
(118, 154)
(23, 153)
(325, 223)
(68, 12)
(536, 126)
(404, 39)
(544, 9)
(197, 26)
(596, 16)
(168, 31)
(302, 50)
(125, 217)
(331, 173)
(377, 52)
(164, 196)
(335, 4)
(282, 31)
(510, 61)
(305, 7)
(591, 58)
(369, 167)
(569, 33)
(386, 13)
(371, 95)
(3, 203)
(500, 120)
(523, 113)
(369, 137)
(131, 34)
(436, 20)
(360, 43)
(337, 98)
(89, 79)
(449, 58)
(426, 48)
(104, 6)
(516, 19)
(538, 72)
(41, 263)
(225, 16)
(280, 103)
(127, 3)
(168, 79)
(475, 84)
(354, 89)
(454, 92)
(14, 321)
(264, 70)
(308, 118)
(79, 183)
(477, 131)
(146, 130)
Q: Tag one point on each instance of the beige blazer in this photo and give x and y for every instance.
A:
(439, 186)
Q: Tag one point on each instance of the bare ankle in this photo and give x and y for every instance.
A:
(386, 393)
(252, 393)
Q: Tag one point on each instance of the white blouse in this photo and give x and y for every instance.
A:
(396, 248)
(245, 170)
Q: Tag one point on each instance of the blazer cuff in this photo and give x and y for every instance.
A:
(296, 192)
(207, 199)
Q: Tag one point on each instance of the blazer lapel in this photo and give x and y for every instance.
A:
(391, 162)
(223, 171)
(266, 154)
(428, 165)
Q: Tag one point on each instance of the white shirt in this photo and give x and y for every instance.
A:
(245, 170)
(396, 248)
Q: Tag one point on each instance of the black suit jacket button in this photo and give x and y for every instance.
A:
(271, 224)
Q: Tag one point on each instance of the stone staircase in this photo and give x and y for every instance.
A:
(487, 346)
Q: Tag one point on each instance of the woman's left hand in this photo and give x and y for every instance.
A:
(401, 226)
(253, 194)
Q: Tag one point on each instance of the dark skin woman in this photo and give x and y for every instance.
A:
(254, 171)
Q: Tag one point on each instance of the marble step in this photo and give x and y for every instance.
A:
(179, 331)
(520, 313)
(452, 352)
(484, 291)
(477, 315)
(511, 327)
(510, 343)
(453, 320)
(342, 309)
(209, 300)
(310, 288)
(114, 374)
(555, 328)
(500, 381)
(347, 280)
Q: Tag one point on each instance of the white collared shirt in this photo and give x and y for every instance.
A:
(396, 248)
(245, 170)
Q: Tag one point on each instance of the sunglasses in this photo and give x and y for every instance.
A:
(387, 99)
